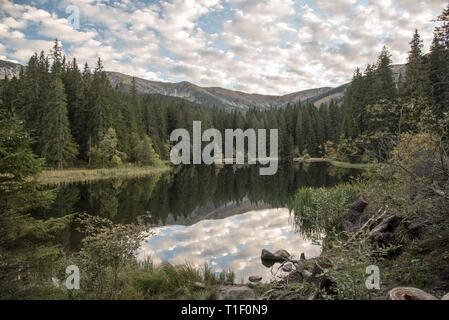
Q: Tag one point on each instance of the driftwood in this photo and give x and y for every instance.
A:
(366, 226)
(383, 232)
(408, 293)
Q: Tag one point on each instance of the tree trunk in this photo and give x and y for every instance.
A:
(408, 293)
(360, 204)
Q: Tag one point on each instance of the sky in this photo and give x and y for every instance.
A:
(256, 46)
(234, 242)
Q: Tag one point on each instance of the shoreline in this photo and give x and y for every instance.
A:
(55, 177)
(333, 162)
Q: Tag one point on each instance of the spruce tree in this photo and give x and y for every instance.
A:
(417, 81)
(385, 86)
(58, 147)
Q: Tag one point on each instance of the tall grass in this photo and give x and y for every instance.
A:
(317, 210)
(184, 281)
(50, 177)
(335, 163)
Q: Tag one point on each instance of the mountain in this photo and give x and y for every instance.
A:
(9, 69)
(215, 96)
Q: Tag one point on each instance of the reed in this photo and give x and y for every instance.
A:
(52, 177)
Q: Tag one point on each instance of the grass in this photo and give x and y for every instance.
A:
(49, 177)
(167, 281)
(335, 163)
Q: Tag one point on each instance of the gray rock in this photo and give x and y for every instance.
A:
(279, 255)
(235, 293)
(288, 267)
(282, 254)
(445, 297)
(255, 278)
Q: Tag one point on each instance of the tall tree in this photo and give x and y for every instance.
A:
(58, 146)
(417, 82)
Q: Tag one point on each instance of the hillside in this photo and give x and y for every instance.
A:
(216, 96)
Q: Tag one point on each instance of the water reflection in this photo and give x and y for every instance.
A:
(188, 194)
(234, 242)
(219, 214)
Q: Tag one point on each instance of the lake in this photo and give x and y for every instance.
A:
(220, 215)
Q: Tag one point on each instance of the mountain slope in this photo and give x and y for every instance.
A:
(9, 69)
(215, 96)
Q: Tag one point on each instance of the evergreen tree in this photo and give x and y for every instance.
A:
(385, 86)
(27, 246)
(439, 65)
(58, 147)
(417, 81)
(146, 154)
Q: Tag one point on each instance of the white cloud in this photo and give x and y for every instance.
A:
(263, 46)
(235, 242)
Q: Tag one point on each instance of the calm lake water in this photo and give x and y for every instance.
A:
(223, 216)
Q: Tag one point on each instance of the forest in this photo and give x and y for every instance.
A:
(55, 115)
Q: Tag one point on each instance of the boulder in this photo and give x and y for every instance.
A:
(283, 254)
(255, 278)
(279, 255)
(235, 293)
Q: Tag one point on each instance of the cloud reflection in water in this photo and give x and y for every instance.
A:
(234, 242)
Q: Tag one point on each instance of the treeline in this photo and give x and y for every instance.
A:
(376, 107)
(76, 117)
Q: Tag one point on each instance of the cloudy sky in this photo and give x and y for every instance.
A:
(234, 242)
(258, 46)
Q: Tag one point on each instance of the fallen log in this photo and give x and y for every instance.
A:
(368, 224)
(384, 228)
(409, 293)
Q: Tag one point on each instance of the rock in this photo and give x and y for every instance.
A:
(255, 278)
(445, 297)
(267, 255)
(303, 257)
(235, 293)
(283, 254)
(288, 267)
(408, 293)
(294, 277)
(199, 285)
(279, 255)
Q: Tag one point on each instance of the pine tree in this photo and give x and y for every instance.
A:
(58, 147)
(417, 81)
(100, 115)
(27, 245)
(385, 86)
(439, 65)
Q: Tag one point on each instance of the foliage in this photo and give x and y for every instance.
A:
(106, 249)
(317, 211)
(28, 246)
